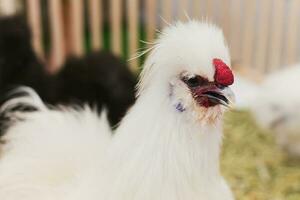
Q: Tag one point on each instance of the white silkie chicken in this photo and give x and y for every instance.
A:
(277, 107)
(166, 148)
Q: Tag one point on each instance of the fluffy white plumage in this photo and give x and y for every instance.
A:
(277, 107)
(159, 152)
(47, 153)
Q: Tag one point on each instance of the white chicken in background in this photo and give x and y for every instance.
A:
(166, 148)
(277, 107)
(275, 104)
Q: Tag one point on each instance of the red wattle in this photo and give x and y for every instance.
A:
(223, 74)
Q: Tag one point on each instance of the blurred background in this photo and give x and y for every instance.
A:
(262, 143)
(262, 35)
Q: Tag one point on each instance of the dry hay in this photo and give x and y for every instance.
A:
(254, 165)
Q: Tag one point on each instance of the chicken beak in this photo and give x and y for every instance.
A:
(223, 96)
(228, 93)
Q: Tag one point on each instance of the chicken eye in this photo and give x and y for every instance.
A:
(194, 81)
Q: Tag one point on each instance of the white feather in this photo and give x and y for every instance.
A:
(45, 154)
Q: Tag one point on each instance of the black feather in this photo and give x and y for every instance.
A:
(99, 78)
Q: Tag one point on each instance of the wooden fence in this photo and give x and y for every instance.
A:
(263, 35)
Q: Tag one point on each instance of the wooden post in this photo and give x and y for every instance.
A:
(276, 33)
(75, 25)
(167, 11)
(151, 10)
(262, 39)
(183, 10)
(133, 23)
(57, 35)
(96, 28)
(34, 19)
(9, 7)
(292, 33)
(115, 12)
(248, 32)
(209, 10)
(224, 18)
(196, 5)
(235, 33)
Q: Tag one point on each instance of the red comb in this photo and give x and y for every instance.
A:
(223, 74)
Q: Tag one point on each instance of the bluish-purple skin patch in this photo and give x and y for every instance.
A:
(178, 105)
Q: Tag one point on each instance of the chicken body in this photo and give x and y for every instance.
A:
(166, 148)
(277, 107)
